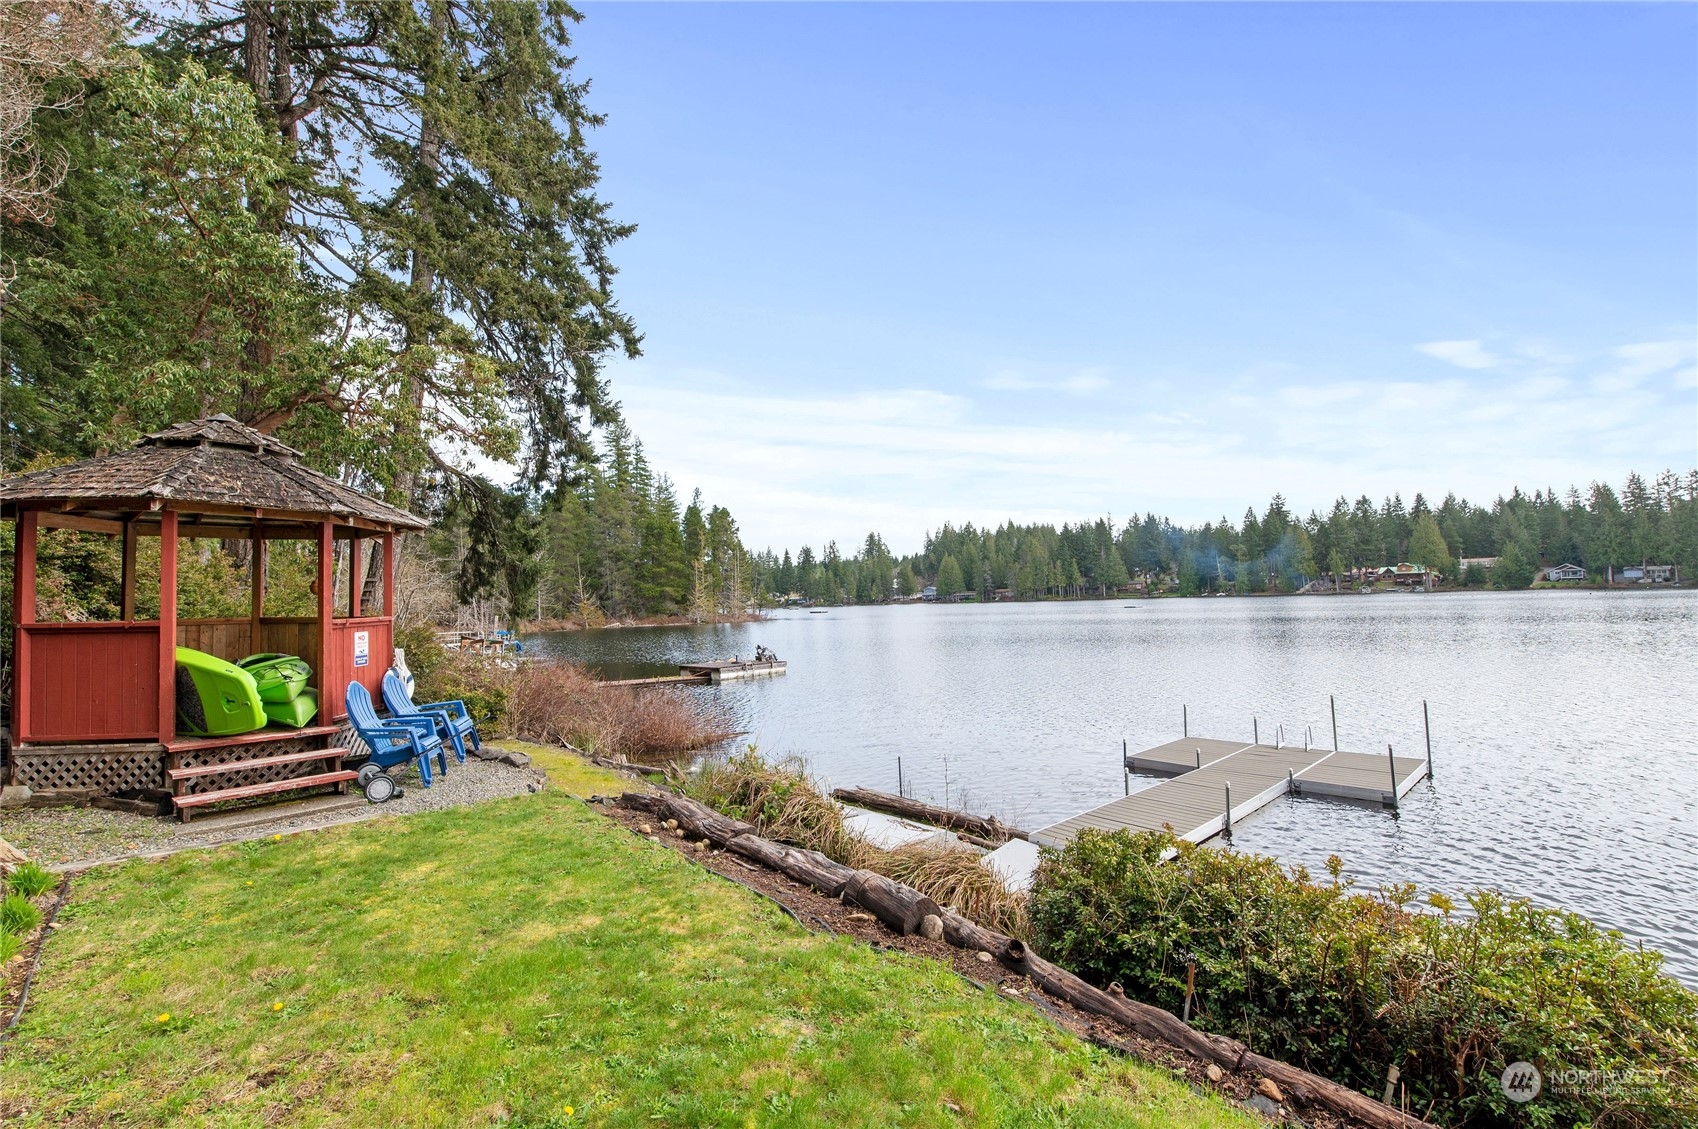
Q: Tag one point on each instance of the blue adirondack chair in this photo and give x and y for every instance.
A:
(392, 741)
(453, 721)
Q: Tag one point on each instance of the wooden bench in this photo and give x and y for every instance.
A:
(333, 773)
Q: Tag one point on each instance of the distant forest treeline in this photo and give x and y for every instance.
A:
(1655, 521)
(620, 543)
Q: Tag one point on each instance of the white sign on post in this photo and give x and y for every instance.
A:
(362, 648)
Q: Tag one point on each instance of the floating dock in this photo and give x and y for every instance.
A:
(720, 670)
(1218, 783)
(726, 670)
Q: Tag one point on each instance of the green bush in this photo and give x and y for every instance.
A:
(11, 944)
(29, 879)
(18, 915)
(1346, 984)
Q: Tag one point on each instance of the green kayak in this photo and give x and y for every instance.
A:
(279, 677)
(215, 698)
(294, 713)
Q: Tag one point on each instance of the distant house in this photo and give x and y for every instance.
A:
(1003, 594)
(1406, 575)
(929, 593)
(1661, 574)
(1465, 563)
(1632, 574)
(1565, 572)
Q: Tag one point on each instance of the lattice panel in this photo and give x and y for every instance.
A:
(267, 775)
(350, 740)
(106, 773)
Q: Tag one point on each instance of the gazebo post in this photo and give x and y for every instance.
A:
(326, 604)
(127, 598)
(23, 612)
(256, 561)
(356, 577)
(167, 626)
(389, 580)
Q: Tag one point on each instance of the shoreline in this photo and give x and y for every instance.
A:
(549, 625)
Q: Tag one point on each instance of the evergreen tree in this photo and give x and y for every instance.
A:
(1514, 569)
(949, 579)
(1427, 546)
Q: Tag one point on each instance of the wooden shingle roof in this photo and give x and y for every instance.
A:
(214, 461)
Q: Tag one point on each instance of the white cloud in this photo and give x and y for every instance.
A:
(1088, 380)
(1464, 354)
(1644, 359)
(800, 467)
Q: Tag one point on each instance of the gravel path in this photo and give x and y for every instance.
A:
(73, 837)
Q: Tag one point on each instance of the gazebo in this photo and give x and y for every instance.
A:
(94, 703)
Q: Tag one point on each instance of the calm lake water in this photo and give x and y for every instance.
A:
(1565, 724)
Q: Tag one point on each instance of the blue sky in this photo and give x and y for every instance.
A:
(899, 264)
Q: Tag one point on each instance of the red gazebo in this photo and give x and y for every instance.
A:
(94, 703)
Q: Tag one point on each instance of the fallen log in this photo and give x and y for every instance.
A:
(1164, 1026)
(810, 867)
(702, 821)
(622, 765)
(695, 819)
(985, 827)
(898, 905)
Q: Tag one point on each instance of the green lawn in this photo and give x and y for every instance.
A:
(523, 962)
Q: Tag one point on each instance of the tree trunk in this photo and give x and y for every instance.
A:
(256, 49)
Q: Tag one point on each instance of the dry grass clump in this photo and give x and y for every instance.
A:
(959, 879)
(779, 800)
(784, 804)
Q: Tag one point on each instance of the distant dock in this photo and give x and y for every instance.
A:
(720, 670)
(1218, 783)
(728, 669)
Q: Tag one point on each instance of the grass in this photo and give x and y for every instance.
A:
(525, 962)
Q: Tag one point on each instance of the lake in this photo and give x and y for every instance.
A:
(1565, 724)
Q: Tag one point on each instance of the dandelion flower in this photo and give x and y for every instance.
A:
(568, 1111)
(277, 1005)
(277, 838)
(163, 1017)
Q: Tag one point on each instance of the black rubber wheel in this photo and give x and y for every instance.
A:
(367, 771)
(379, 788)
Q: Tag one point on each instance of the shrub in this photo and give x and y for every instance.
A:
(1347, 984)
(11, 944)
(478, 680)
(29, 879)
(563, 703)
(18, 915)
